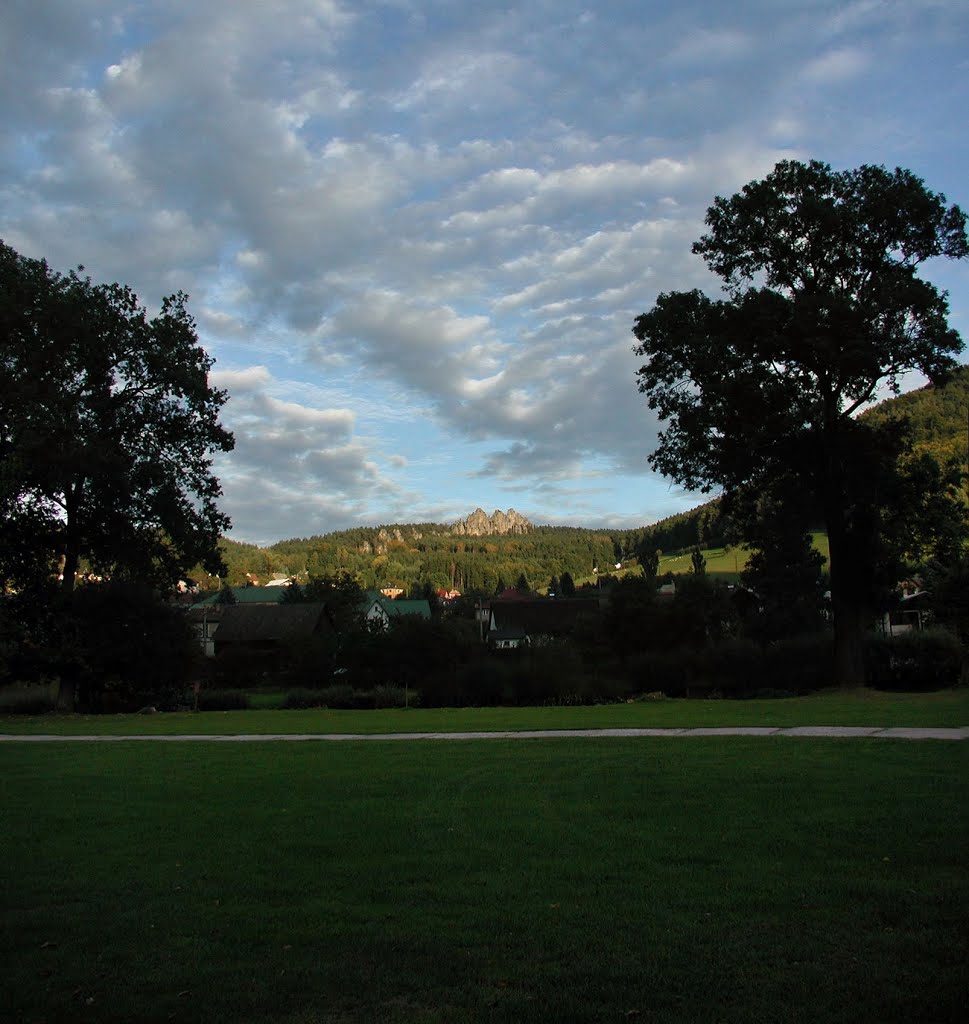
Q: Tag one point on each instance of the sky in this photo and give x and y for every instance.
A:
(416, 235)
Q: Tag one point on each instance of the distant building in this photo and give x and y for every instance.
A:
(280, 581)
(377, 608)
(206, 615)
(266, 628)
(527, 622)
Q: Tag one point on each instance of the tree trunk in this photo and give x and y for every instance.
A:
(848, 605)
(69, 688)
(850, 623)
(67, 693)
(72, 561)
(72, 540)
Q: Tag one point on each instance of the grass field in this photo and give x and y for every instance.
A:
(728, 880)
(724, 564)
(833, 707)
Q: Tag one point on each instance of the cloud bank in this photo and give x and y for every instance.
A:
(416, 236)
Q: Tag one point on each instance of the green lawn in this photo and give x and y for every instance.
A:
(730, 880)
(833, 707)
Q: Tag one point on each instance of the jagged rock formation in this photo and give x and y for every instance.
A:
(478, 524)
(381, 543)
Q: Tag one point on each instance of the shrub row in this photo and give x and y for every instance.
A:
(28, 700)
(555, 674)
(736, 667)
(925, 660)
(345, 698)
(223, 700)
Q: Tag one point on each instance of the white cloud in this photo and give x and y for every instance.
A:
(467, 81)
(836, 66)
(307, 459)
(416, 236)
(706, 45)
(246, 381)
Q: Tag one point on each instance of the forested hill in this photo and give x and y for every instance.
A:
(429, 553)
(432, 553)
(938, 416)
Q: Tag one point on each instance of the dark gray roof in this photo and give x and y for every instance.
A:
(245, 595)
(254, 625)
(539, 618)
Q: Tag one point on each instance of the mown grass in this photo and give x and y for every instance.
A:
(832, 707)
(726, 880)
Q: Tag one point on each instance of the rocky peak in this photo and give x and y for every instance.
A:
(479, 524)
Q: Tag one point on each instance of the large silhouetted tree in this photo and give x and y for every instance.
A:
(107, 428)
(823, 307)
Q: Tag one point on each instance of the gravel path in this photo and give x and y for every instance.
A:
(838, 731)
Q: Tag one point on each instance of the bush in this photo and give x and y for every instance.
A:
(923, 660)
(551, 674)
(547, 673)
(223, 700)
(309, 663)
(734, 667)
(28, 700)
(129, 648)
(235, 668)
(300, 699)
(672, 672)
(800, 663)
(483, 682)
(341, 697)
(394, 697)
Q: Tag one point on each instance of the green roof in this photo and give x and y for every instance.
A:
(421, 608)
(395, 609)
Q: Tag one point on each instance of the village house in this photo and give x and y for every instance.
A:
(379, 609)
(525, 623)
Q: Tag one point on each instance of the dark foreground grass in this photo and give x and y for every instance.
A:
(832, 707)
(727, 880)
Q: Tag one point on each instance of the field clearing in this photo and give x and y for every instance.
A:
(720, 879)
(725, 564)
(832, 707)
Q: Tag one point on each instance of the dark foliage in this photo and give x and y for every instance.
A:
(735, 667)
(107, 427)
(923, 660)
(27, 700)
(784, 579)
(124, 648)
(824, 306)
(302, 698)
(222, 700)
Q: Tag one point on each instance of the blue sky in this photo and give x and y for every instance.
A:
(416, 234)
